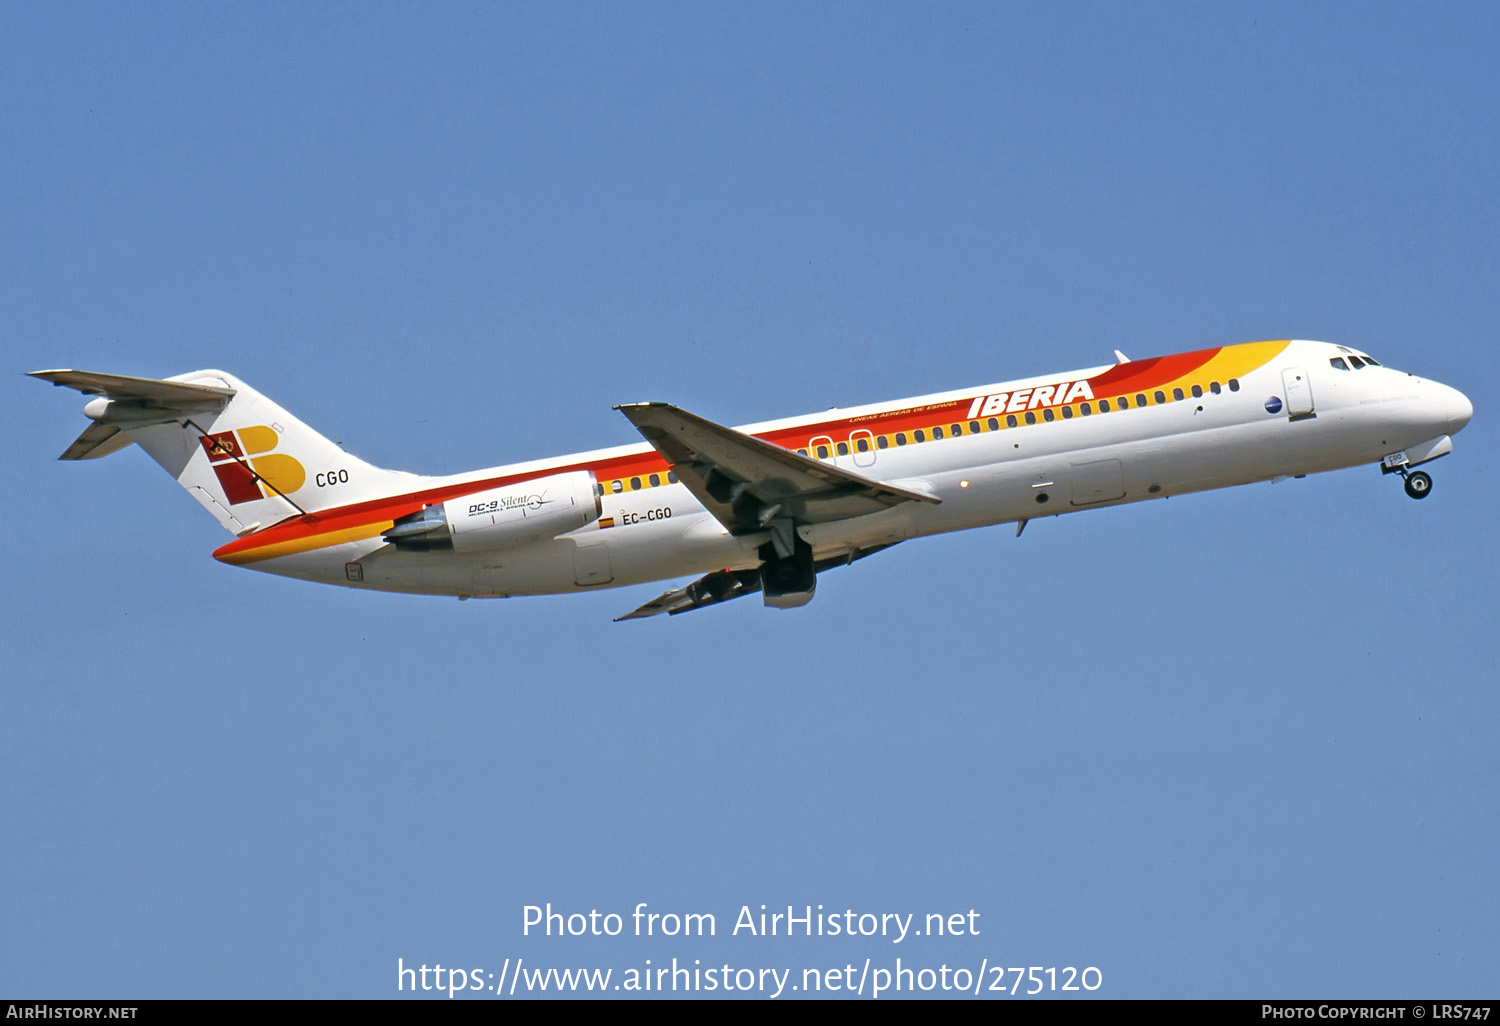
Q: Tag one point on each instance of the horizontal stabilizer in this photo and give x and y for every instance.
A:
(168, 394)
(97, 440)
(127, 403)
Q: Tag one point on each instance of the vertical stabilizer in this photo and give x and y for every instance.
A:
(245, 459)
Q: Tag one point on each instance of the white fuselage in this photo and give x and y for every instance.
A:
(1324, 418)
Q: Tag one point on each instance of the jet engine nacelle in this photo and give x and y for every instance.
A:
(543, 507)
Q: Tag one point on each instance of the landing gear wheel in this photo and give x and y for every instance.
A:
(1418, 484)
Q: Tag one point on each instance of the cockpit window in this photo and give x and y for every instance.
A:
(1338, 363)
(1358, 363)
(1372, 361)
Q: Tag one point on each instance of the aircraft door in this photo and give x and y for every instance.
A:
(591, 565)
(1101, 481)
(1299, 399)
(862, 443)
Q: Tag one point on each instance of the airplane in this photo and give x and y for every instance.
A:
(768, 507)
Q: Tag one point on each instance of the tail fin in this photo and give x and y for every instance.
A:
(247, 460)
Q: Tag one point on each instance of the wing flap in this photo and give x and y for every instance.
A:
(746, 482)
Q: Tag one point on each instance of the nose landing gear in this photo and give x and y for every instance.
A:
(1418, 483)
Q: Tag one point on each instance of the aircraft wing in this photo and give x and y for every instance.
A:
(141, 400)
(723, 585)
(746, 482)
(719, 586)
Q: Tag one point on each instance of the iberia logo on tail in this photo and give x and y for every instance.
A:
(247, 468)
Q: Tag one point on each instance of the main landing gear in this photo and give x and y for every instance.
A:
(1418, 483)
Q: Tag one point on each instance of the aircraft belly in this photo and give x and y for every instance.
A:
(531, 569)
(587, 559)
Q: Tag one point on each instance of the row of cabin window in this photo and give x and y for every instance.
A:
(1049, 414)
(957, 430)
(635, 483)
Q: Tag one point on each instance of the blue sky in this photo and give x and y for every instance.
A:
(1236, 744)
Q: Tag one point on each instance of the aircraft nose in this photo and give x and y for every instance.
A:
(1457, 407)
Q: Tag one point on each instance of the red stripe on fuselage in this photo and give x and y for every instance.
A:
(1136, 375)
(1143, 375)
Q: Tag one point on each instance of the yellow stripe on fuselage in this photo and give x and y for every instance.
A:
(1229, 362)
(307, 544)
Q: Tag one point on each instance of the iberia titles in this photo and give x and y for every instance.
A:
(1023, 399)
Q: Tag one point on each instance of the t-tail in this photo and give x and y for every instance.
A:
(248, 461)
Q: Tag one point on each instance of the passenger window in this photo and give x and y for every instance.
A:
(617, 486)
(1067, 413)
(1358, 363)
(956, 430)
(1161, 397)
(1030, 417)
(994, 423)
(1177, 395)
(635, 484)
(1140, 399)
(1234, 384)
(843, 448)
(862, 444)
(973, 427)
(822, 452)
(919, 435)
(1088, 411)
(801, 452)
(1337, 363)
(672, 474)
(1198, 391)
(1047, 415)
(937, 432)
(655, 480)
(1010, 420)
(882, 442)
(900, 437)
(1123, 402)
(1214, 388)
(1103, 405)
